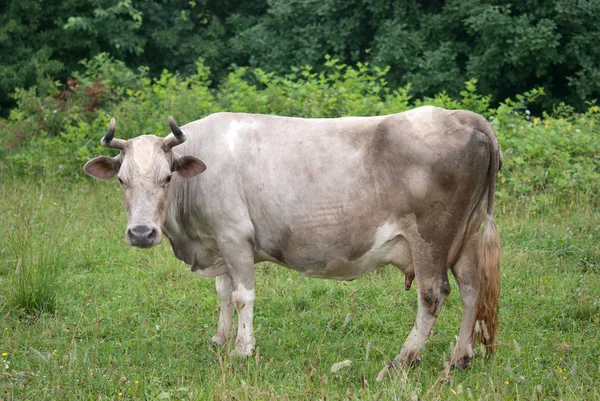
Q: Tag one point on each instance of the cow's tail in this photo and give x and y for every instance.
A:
(486, 315)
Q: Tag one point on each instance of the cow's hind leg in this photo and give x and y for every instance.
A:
(224, 290)
(433, 290)
(433, 287)
(465, 272)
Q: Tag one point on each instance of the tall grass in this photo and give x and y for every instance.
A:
(36, 255)
(38, 260)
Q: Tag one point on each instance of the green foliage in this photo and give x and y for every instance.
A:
(145, 109)
(338, 90)
(52, 135)
(507, 47)
(118, 24)
(40, 39)
(550, 155)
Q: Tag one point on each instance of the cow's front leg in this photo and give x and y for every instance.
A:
(224, 291)
(239, 257)
(243, 298)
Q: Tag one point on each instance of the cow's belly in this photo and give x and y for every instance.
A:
(394, 251)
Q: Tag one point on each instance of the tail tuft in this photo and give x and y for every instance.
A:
(487, 306)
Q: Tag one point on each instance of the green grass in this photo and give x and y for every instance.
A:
(135, 324)
(36, 256)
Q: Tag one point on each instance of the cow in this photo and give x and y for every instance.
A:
(329, 198)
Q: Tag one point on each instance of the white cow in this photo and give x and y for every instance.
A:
(329, 198)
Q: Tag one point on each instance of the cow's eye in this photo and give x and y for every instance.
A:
(120, 181)
(168, 180)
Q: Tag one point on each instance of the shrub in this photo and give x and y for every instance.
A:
(52, 136)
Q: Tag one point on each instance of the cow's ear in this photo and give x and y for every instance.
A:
(102, 167)
(188, 166)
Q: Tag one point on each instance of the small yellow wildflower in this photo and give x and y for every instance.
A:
(54, 203)
(35, 270)
(136, 382)
(565, 378)
(91, 373)
(120, 394)
(506, 382)
(5, 354)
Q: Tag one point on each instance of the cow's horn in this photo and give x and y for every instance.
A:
(178, 137)
(108, 139)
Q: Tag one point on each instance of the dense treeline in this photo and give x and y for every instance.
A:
(509, 47)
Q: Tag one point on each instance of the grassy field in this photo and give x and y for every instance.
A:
(135, 324)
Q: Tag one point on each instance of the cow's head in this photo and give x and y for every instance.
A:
(145, 168)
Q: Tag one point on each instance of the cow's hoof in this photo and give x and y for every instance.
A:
(408, 357)
(383, 372)
(461, 362)
(242, 350)
(218, 341)
(241, 354)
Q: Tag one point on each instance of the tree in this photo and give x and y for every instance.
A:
(434, 45)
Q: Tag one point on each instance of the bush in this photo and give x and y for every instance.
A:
(553, 156)
(337, 91)
(549, 155)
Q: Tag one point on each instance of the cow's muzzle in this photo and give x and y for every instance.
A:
(142, 236)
